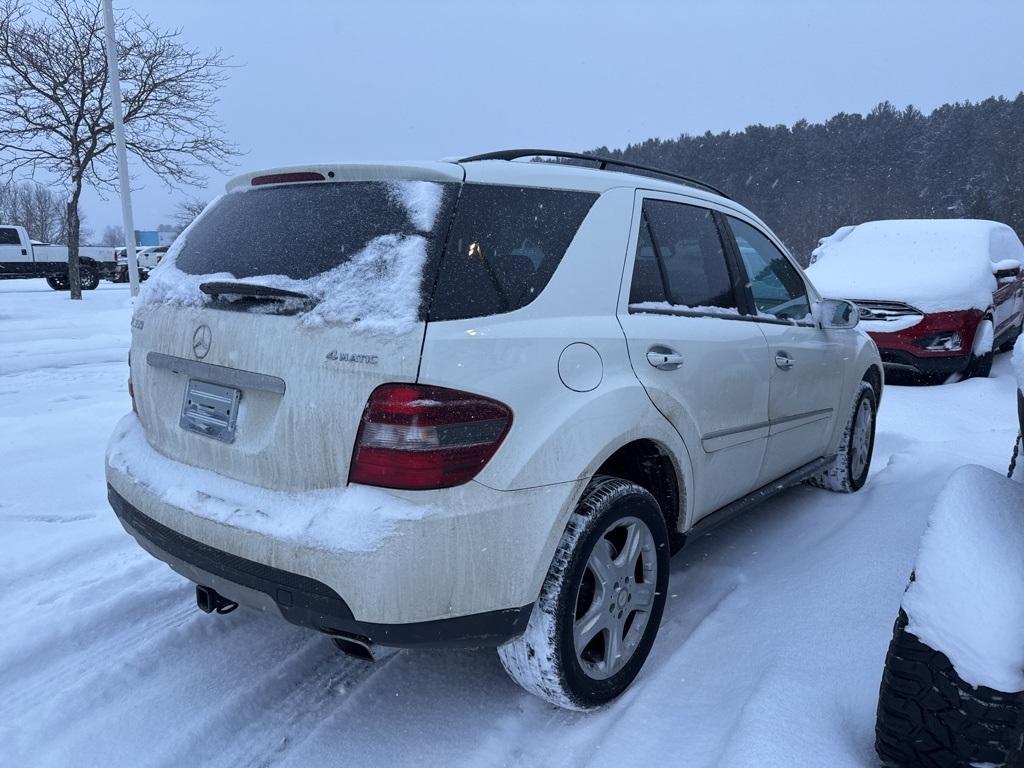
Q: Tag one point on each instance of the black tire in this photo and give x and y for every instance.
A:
(1007, 345)
(90, 278)
(929, 717)
(848, 471)
(544, 659)
(980, 366)
(58, 283)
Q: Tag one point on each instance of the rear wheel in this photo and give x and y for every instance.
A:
(90, 278)
(601, 604)
(58, 283)
(982, 353)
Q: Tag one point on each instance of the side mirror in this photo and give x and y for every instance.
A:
(837, 314)
(1007, 269)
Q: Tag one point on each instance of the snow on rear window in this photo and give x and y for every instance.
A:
(357, 249)
(422, 201)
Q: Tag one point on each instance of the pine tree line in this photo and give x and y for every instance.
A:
(805, 181)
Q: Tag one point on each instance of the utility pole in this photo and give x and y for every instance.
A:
(122, 153)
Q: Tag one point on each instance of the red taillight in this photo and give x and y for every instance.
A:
(416, 437)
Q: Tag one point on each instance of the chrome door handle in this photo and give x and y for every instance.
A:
(784, 361)
(664, 358)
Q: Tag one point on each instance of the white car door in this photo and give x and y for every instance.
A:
(15, 256)
(704, 366)
(807, 363)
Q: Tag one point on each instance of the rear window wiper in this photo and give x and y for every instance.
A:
(250, 290)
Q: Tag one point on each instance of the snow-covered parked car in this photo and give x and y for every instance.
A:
(952, 691)
(939, 297)
(476, 403)
(146, 257)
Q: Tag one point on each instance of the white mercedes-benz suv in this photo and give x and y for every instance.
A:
(477, 402)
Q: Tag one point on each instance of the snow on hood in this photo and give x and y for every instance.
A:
(936, 265)
(353, 519)
(967, 599)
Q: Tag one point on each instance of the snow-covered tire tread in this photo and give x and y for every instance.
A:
(929, 717)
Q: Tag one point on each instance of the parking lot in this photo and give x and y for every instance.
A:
(770, 653)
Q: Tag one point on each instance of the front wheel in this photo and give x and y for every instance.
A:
(601, 604)
(982, 352)
(848, 471)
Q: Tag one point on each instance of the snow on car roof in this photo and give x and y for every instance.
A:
(936, 265)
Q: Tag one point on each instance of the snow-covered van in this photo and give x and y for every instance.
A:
(477, 403)
(938, 296)
(22, 258)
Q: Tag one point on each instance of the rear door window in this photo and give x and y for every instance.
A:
(504, 246)
(9, 236)
(681, 260)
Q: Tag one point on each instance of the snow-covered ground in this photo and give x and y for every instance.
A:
(770, 653)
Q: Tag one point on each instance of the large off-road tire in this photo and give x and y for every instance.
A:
(848, 471)
(58, 283)
(929, 717)
(982, 355)
(601, 604)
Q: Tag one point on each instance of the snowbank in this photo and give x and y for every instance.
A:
(934, 265)
(377, 290)
(354, 519)
(967, 599)
(1018, 361)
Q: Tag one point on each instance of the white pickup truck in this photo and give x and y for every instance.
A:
(21, 257)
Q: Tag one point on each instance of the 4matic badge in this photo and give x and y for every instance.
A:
(351, 357)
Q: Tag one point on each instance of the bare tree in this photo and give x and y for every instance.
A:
(34, 207)
(55, 113)
(113, 236)
(187, 211)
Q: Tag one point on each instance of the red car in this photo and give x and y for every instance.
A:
(939, 297)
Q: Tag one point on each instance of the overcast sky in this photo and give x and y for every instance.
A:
(318, 80)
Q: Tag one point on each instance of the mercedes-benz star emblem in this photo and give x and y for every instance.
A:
(201, 341)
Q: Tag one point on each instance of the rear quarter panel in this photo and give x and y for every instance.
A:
(558, 435)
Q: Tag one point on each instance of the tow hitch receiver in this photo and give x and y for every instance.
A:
(209, 601)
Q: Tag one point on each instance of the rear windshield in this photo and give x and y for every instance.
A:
(382, 255)
(504, 246)
(305, 230)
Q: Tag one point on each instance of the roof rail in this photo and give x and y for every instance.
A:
(602, 164)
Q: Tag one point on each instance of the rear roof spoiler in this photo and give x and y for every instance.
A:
(412, 171)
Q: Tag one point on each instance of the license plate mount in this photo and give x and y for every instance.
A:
(210, 409)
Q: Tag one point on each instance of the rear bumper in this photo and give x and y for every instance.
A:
(460, 565)
(302, 600)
